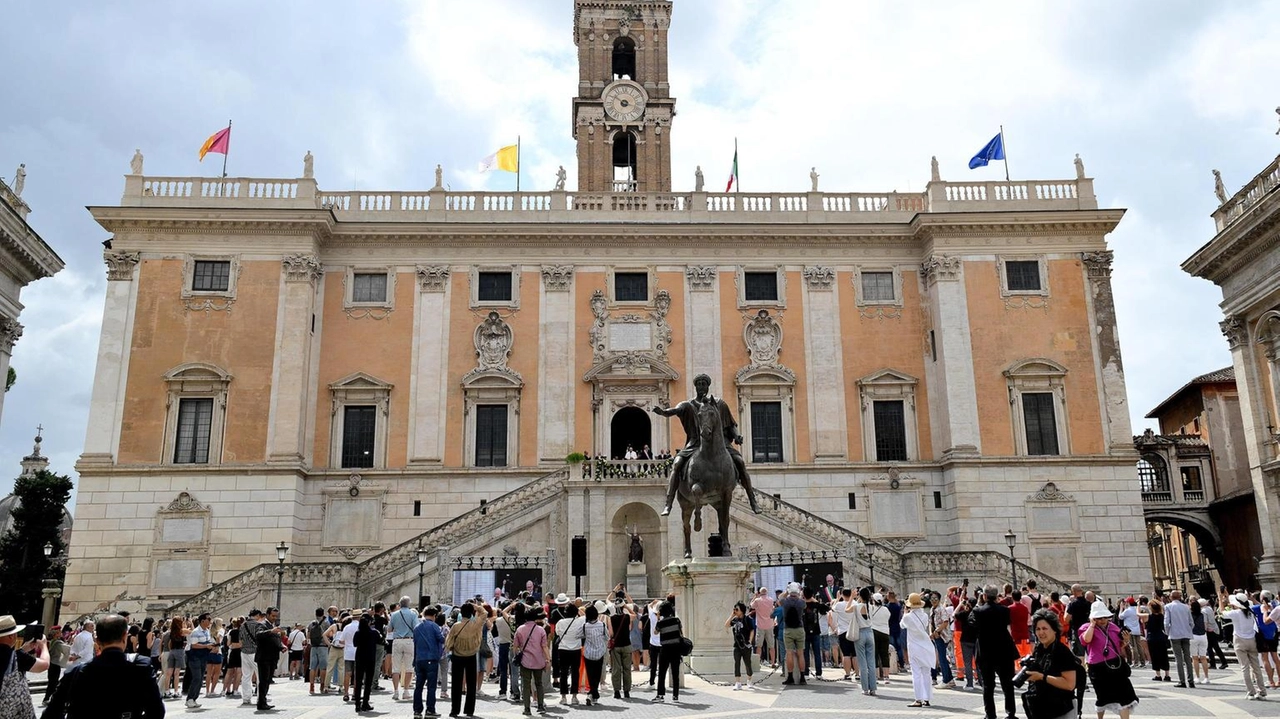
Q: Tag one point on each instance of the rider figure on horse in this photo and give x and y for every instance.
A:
(687, 412)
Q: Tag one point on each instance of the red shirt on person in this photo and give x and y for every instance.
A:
(1019, 622)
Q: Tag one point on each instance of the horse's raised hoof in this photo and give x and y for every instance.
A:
(688, 554)
(667, 510)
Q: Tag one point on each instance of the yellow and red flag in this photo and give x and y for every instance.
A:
(218, 142)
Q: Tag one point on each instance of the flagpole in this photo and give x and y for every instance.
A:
(737, 173)
(223, 182)
(1004, 147)
(517, 163)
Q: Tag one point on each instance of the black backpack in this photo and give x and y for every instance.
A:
(1035, 603)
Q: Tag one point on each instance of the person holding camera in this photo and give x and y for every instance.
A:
(1050, 670)
(1108, 671)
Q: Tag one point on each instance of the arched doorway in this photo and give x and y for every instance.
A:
(624, 162)
(643, 519)
(630, 426)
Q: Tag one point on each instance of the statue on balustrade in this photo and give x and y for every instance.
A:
(697, 179)
(934, 174)
(561, 175)
(308, 168)
(439, 178)
(1218, 189)
(635, 553)
(708, 468)
(813, 178)
(135, 165)
(1278, 113)
(19, 179)
(1079, 167)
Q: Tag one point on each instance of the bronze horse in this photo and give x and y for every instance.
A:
(709, 478)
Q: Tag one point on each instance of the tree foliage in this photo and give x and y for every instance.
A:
(8, 382)
(36, 522)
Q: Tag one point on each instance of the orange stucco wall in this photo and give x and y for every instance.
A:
(1002, 336)
(381, 348)
(166, 334)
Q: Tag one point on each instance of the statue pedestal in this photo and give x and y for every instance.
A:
(706, 590)
(637, 580)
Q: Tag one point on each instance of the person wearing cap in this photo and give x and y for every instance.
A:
(920, 647)
(15, 662)
(1104, 651)
(996, 651)
(1245, 632)
(110, 686)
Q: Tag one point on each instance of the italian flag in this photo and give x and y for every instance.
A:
(733, 175)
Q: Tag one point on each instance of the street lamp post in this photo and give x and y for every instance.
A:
(422, 568)
(51, 591)
(1011, 539)
(282, 551)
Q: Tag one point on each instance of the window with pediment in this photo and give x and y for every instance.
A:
(1037, 402)
(361, 406)
(888, 406)
(196, 417)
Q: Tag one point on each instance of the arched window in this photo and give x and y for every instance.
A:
(624, 59)
(1153, 476)
(624, 162)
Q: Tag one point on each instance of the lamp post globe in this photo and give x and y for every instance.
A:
(48, 549)
(282, 551)
(1011, 539)
(422, 567)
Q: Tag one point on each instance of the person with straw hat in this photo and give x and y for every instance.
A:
(111, 686)
(920, 647)
(15, 695)
(1108, 671)
(1245, 641)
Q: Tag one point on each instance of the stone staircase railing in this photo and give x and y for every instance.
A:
(398, 561)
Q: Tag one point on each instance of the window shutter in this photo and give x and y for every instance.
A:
(359, 426)
(491, 435)
(766, 432)
(891, 431)
(1041, 425)
(195, 422)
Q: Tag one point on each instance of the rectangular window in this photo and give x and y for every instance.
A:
(631, 286)
(937, 500)
(494, 287)
(891, 431)
(766, 431)
(359, 427)
(853, 501)
(195, 422)
(369, 287)
(1041, 425)
(760, 286)
(491, 435)
(1022, 275)
(877, 287)
(1190, 479)
(417, 507)
(211, 276)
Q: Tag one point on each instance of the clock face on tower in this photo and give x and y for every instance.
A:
(624, 101)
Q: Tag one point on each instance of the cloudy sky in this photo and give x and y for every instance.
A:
(1152, 94)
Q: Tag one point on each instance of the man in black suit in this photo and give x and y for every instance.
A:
(996, 652)
(270, 644)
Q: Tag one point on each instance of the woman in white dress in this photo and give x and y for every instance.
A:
(923, 655)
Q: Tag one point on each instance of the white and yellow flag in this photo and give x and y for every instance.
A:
(507, 159)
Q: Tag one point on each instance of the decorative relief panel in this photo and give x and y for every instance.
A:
(433, 278)
(493, 339)
(1097, 264)
(612, 335)
(940, 268)
(819, 278)
(1235, 330)
(701, 279)
(10, 332)
(301, 268)
(120, 265)
(558, 278)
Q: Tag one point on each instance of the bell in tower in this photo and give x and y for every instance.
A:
(623, 111)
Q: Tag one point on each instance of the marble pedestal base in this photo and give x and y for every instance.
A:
(637, 580)
(706, 590)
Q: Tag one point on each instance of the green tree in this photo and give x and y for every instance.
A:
(8, 382)
(35, 523)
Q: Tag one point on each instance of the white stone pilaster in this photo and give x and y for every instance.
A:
(291, 368)
(556, 385)
(824, 366)
(949, 305)
(10, 331)
(106, 405)
(702, 328)
(1114, 401)
(428, 386)
(1253, 416)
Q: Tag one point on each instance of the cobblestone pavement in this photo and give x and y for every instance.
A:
(1223, 698)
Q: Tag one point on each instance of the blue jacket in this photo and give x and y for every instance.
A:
(428, 641)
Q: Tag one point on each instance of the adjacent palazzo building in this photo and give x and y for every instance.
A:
(389, 383)
(1243, 258)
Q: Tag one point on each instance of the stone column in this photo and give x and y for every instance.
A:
(702, 328)
(1106, 352)
(957, 422)
(106, 406)
(824, 364)
(10, 331)
(556, 385)
(291, 381)
(1253, 414)
(427, 424)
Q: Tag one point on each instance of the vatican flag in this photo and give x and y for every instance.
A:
(507, 159)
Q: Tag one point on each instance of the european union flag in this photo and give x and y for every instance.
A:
(993, 150)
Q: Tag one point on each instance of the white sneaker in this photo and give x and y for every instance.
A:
(191, 704)
(574, 699)
(737, 686)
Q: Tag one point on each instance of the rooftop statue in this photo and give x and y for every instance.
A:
(135, 165)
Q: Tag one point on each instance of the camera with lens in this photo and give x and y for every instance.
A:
(1029, 664)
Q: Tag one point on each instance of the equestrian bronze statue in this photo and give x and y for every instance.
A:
(708, 468)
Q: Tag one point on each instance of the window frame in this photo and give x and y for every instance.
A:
(348, 288)
(504, 411)
(189, 272)
(477, 303)
(781, 442)
(651, 285)
(901, 403)
(767, 384)
(1033, 376)
(195, 438)
(1031, 439)
(1002, 269)
(373, 435)
(740, 280)
(746, 286)
(860, 298)
(889, 385)
(359, 389)
(195, 380)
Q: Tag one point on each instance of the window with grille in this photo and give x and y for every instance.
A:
(760, 286)
(877, 287)
(359, 430)
(1041, 424)
(1151, 476)
(369, 287)
(211, 276)
(491, 435)
(766, 431)
(195, 422)
(1022, 275)
(493, 287)
(891, 430)
(631, 286)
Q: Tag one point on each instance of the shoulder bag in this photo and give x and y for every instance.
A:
(1122, 667)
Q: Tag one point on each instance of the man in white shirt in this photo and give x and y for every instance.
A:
(82, 646)
(1246, 645)
(843, 611)
(349, 653)
(1129, 617)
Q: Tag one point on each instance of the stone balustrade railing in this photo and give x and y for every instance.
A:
(1248, 196)
(440, 205)
(602, 469)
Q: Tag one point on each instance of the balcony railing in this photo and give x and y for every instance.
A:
(1193, 495)
(624, 469)
(1248, 196)
(622, 205)
(1157, 497)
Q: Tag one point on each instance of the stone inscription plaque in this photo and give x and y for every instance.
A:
(179, 573)
(896, 514)
(1051, 520)
(353, 522)
(630, 336)
(1058, 561)
(188, 530)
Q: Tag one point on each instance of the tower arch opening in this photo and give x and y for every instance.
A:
(624, 59)
(624, 161)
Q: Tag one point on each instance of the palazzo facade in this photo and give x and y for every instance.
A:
(389, 383)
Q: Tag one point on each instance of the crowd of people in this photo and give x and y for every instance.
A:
(530, 646)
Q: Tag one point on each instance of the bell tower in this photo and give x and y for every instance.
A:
(622, 114)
